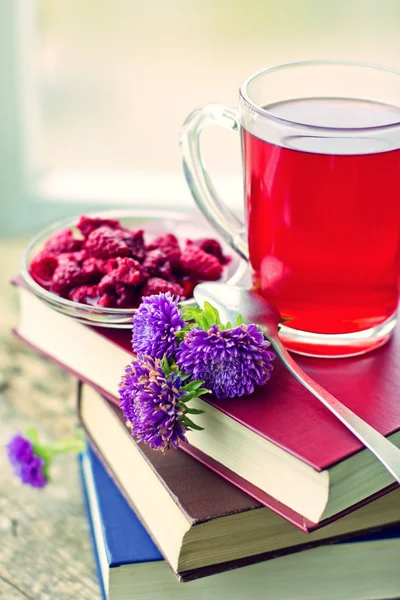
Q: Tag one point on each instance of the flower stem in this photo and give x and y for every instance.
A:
(65, 446)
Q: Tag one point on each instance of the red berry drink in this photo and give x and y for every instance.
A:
(323, 216)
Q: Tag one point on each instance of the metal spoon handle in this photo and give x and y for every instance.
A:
(384, 450)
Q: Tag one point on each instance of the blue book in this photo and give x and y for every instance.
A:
(130, 566)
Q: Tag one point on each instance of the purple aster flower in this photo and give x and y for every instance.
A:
(26, 464)
(231, 362)
(155, 324)
(150, 400)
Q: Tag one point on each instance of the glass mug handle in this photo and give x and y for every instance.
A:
(228, 225)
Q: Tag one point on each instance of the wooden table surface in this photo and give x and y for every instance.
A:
(45, 547)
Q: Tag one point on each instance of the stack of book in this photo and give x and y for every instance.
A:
(275, 499)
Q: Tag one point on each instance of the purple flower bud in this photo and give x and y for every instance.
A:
(150, 402)
(155, 324)
(26, 464)
(230, 362)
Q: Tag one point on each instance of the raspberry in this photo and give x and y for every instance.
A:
(76, 257)
(89, 294)
(107, 284)
(198, 264)
(165, 272)
(85, 294)
(42, 269)
(127, 296)
(105, 242)
(188, 286)
(169, 246)
(123, 281)
(110, 264)
(94, 268)
(213, 247)
(156, 263)
(62, 241)
(127, 270)
(106, 301)
(156, 285)
(134, 239)
(67, 275)
(88, 224)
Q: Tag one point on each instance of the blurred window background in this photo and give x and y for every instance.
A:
(94, 92)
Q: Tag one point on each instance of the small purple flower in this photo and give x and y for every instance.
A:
(26, 464)
(155, 324)
(150, 400)
(230, 362)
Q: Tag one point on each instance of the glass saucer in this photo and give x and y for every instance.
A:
(155, 223)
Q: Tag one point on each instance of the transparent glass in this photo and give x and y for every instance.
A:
(155, 223)
(321, 165)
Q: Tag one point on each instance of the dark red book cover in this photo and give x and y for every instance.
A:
(286, 414)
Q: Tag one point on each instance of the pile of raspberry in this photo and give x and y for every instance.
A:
(112, 266)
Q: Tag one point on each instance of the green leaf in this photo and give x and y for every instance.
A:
(32, 435)
(285, 320)
(239, 320)
(214, 317)
(211, 314)
(188, 423)
(192, 313)
(192, 425)
(193, 411)
(203, 318)
(203, 391)
(202, 321)
(189, 396)
(193, 385)
(181, 333)
(176, 370)
(194, 394)
(165, 365)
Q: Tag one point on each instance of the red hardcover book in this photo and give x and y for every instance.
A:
(280, 445)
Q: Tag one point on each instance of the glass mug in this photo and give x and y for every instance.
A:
(321, 167)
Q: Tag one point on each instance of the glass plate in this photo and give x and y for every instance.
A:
(155, 223)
